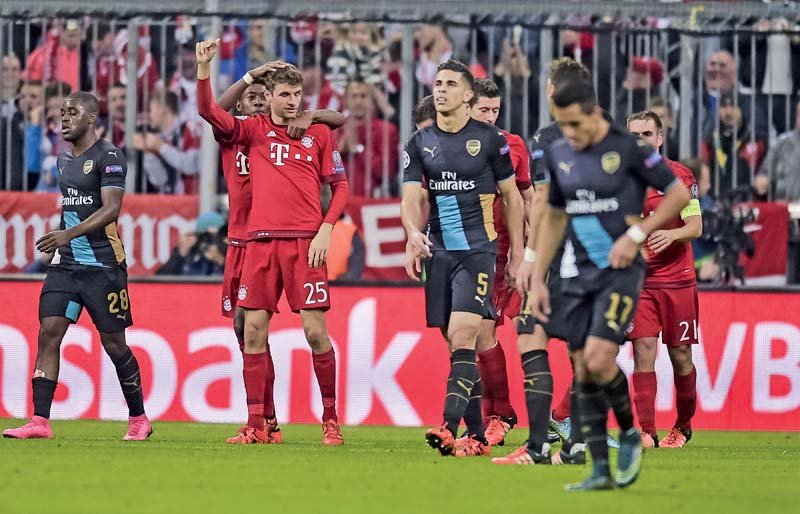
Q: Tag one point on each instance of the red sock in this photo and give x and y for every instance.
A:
(561, 412)
(487, 397)
(686, 398)
(496, 379)
(269, 401)
(255, 375)
(644, 397)
(325, 369)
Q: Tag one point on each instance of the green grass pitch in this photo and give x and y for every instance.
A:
(186, 468)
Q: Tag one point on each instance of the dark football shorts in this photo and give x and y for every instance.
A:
(458, 281)
(556, 324)
(102, 291)
(600, 303)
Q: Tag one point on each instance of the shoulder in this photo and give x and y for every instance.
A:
(514, 139)
(319, 130)
(680, 171)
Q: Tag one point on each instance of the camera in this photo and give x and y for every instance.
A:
(724, 226)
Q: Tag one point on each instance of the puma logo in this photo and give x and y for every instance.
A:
(464, 386)
(566, 167)
(523, 319)
(481, 300)
(132, 383)
(123, 317)
(113, 152)
(429, 150)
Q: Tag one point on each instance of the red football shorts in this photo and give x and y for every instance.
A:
(671, 312)
(507, 301)
(234, 259)
(275, 265)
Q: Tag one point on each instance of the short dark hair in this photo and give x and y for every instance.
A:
(647, 115)
(57, 89)
(355, 79)
(458, 67)
(117, 85)
(87, 100)
(424, 111)
(168, 99)
(484, 88)
(567, 69)
(579, 91)
(289, 75)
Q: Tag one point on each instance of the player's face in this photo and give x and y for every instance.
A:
(578, 126)
(450, 91)
(285, 100)
(75, 121)
(646, 131)
(486, 110)
(253, 100)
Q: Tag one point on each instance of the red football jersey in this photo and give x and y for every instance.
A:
(285, 174)
(522, 171)
(673, 267)
(236, 170)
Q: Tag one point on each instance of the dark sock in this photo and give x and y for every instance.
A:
(463, 375)
(495, 378)
(538, 384)
(593, 418)
(686, 399)
(575, 433)
(619, 398)
(645, 388)
(325, 369)
(472, 414)
(130, 382)
(255, 374)
(43, 391)
(269, 401)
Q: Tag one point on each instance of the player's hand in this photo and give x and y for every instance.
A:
(539, 301)
(413, 264)
(623, 252)
(512, 269)
(524, 281)
(53, 241)
(318, 251)
(205, 51)
(267, 67)
(298, 126)
(420, 245)
(660, 240)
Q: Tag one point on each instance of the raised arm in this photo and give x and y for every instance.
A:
(220, 119)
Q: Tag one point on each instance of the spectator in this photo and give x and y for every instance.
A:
(58, 58)
(317, 91)
(12, 128)
(720, 80)
(424, 113)
(345, 260)
(113, 124)
(641, 83)
(368, 144)
(780, 171)
(514, 62)
(358, 51)
(46, 139)
(184, 84)
(201, 252)
(664, 111)
(434, 48)
(172, 149)
(731, 149)
(11, 82)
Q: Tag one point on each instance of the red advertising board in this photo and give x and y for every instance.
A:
(149, 226)
(391, 369)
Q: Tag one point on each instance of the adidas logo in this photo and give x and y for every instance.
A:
(271, 133)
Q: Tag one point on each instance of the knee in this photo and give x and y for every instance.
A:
(115, 347)
(597, 364)
(316, 335)
(463, 338)
(50, 335)
(681, 358)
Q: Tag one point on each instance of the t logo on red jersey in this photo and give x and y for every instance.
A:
(243, 163)
(278, 152)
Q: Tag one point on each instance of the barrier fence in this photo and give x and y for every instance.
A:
(390, 369)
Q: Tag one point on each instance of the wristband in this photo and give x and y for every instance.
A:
(637, 234)
(248, 79)
(530, 255)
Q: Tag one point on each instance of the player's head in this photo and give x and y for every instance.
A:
(564, 71)
(285, 92)
(424, 113)
(577, 113)
(453, 87)
(485, 104)
(78, 115)
(646, 125)
(358, 98)
(253, 100)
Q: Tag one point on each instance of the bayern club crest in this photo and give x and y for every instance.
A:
(242, 293)
(226, 304)
(307, 141)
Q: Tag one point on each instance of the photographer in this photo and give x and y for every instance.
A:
(199, 253)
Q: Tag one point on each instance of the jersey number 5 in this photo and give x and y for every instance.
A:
(483, 284)
(118, 301)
